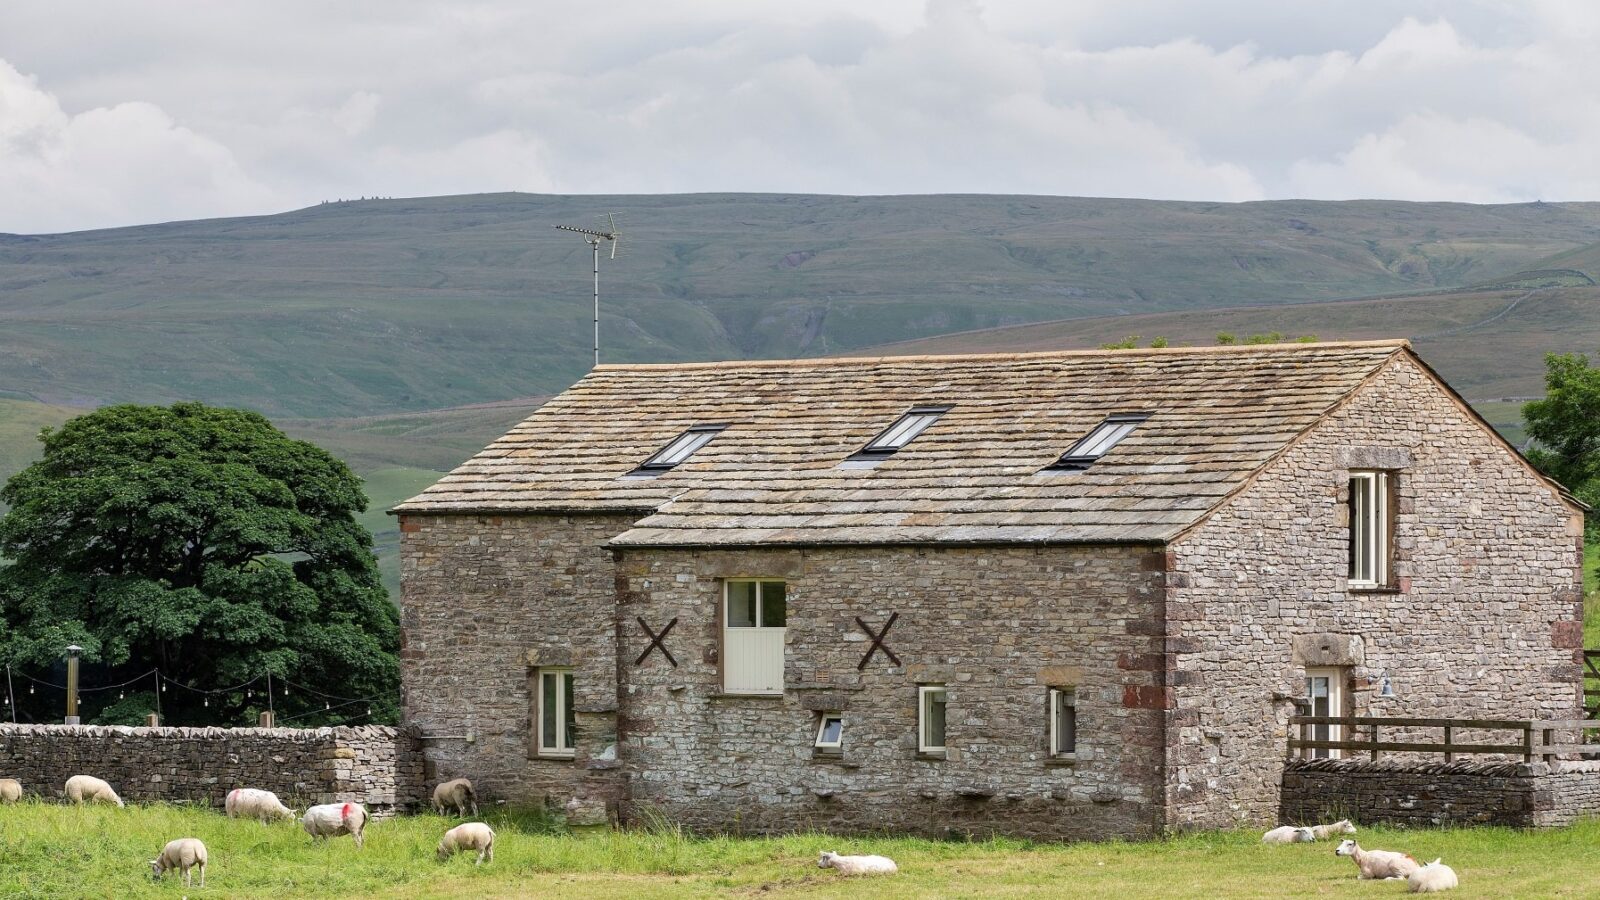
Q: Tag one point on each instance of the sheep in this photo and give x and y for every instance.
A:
(857, 865)
(457, 793)
(89, 789)
(182, 854)
(10, 790)
(1378, 864)
(1289, 834)
(1343, 826)
(334, 819)
(468, 836)
(1432, 878)
(252, 803)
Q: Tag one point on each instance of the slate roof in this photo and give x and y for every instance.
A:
(978, 475)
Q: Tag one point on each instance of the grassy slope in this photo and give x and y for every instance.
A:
(20, 422)
(54, 851)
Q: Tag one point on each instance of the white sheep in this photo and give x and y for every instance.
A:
(1378, 864)
(182, 854)
(10, 790)
(457, 793)
(89, 789)
(1289, 834)
(334, 819)
(468, 836)
(857, 865)
(1432, 878)
(1343, 826)
(253, 803)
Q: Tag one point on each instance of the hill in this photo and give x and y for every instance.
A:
(380, 307)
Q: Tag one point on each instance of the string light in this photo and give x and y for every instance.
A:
(30, 688)
(119, 695)
(206, 702)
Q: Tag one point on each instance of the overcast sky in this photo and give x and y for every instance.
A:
(115, 113)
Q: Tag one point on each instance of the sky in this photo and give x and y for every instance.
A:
(116, 113)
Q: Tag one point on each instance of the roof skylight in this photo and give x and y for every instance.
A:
(681, 448)
(1098, 443)
(904, 430)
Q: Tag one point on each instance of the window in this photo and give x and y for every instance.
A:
(1369, 529)
(830, 732)
(904, 430)
(755, 614)
(557, 722)
(1099, 442)
(1325, 693)
(930, 718)
(682, 447)
(1063, 721)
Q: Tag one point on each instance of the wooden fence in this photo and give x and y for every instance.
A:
(1364, 734)
(1591, 684)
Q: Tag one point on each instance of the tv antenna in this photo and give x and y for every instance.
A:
(595, 237)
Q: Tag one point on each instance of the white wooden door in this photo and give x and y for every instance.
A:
(755, 614)
(1325, 688)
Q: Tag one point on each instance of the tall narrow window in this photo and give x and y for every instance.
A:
(1063, 722)
(681, 448)
(1098, 443)
(755, 616)
(930, 718)
(904, 430)
(557, 721)
(1369, 529)
(1325, 693)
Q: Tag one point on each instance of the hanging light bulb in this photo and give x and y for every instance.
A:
(119, 695)
(30, 688)
(369, 710)
(327, 705)
(206, 702)
(247, 694)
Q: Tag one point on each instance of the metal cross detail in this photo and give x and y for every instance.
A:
(656, 641)
(877, 641)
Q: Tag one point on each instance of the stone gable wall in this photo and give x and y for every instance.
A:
(1486, 621)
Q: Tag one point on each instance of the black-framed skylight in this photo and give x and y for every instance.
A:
(1099, 441)
(904, 430)
(681, 448)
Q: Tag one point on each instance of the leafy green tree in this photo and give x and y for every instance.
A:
(1566, 427)
(207, 543)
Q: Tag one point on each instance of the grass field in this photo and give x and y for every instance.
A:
(59, 851)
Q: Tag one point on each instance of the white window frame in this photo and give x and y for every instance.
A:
(1335, 676)
(1369, 534)
(730, 634)
(925, 721)
(566, 746)
(1071, 694)
(904, 430)
(822, 730)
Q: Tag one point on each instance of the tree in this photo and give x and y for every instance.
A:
(203, 542)
(1566, 428)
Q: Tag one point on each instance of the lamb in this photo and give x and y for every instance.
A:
(10, 790)
(457, 793)
(182, 854)
(1343, 826)
(334, 819)
(1432, 878)
(1375, 864)
(468, 836)
(857, 865)
(89, 789)
(1289, 834)
(251, 803)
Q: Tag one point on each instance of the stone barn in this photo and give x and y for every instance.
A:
(1057, 595)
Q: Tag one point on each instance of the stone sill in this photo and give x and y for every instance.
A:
(833, 759)
(1381, 589)
(931, 755)
(554, 757)
(1061, 762)
(767, 697)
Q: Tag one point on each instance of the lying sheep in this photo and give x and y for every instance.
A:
(182, 854)
(1343, 826)
(89, 789)
(252, 803)
(334, 819)
(468, 836)
(10, 790)
(457, 793)
(1432, 878)
(1378, 864)
(857, 865)
(1289, 834)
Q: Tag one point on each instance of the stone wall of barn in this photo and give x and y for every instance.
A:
(997, 626)
(376, 766)
(487, 600)
(1431, 794)
(1485, 620)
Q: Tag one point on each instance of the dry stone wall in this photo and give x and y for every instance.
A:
(376, 766)
(1415, 794)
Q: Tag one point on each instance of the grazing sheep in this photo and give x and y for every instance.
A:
(468, 836)
(334, 819)
(10, 790)
(181, 854)
(1343, 826)
(1432, 878)
(252, 803)
(457, 793)
(89, 789)
(857, 865)
(1378, 864)
(1289, 834)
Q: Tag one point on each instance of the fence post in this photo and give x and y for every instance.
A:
(1549, 738)
(1527, 743)
(1449, 731)
(1374, 741)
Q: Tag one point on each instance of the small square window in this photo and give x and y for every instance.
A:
(830, 732)
(1063, 722)
(1098, 443)
(931, 701)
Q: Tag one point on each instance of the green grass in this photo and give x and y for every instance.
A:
(55, 851)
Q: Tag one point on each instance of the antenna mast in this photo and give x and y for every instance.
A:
(593, 237)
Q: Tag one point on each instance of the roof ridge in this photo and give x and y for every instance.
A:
(1392, 343)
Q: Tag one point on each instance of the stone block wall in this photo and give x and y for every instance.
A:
(376, 766)
(1485, 619)
(1420, 794)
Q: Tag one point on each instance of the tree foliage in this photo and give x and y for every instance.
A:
(202, 541)
(1566, 427)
